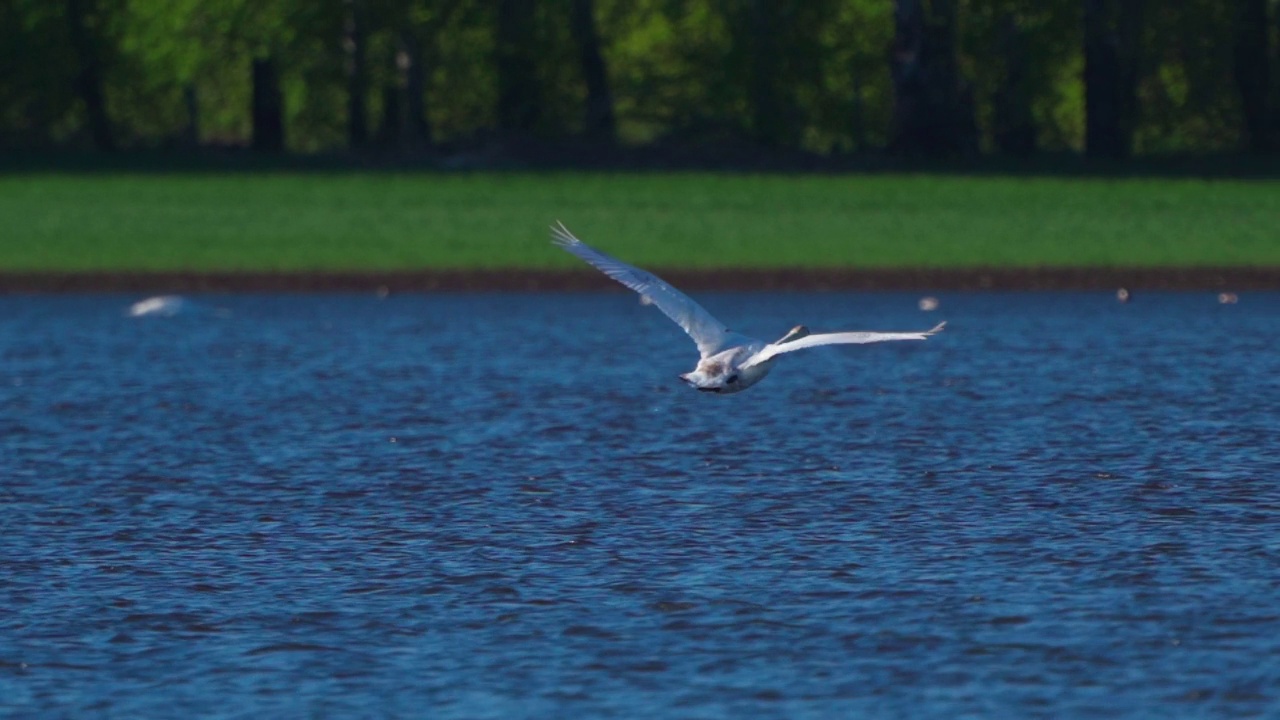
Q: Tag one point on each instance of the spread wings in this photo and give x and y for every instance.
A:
(843, 338)
(709, 334)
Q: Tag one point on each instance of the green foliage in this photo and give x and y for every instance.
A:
(350, 222)
(36, 101)
(1188, 95)
(811, 74)
(1047, 53)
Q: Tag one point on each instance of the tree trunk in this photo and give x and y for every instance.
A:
(1101, 83)
(1015, 131)
(519, 107)
(1252, 57)
(928, 109)
(268, 107)
(89, 83)
(768, 114)
(598, 119)
(1112, 40)
(357, 76)
(418, 135)
(1274, 61)
(391, 129)
(191, 101)
(859, 109)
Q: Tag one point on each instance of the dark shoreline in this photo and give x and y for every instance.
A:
(922, 279)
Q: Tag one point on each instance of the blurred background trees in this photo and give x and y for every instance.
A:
(922, 78)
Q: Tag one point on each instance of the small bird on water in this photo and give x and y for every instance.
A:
(729, 362)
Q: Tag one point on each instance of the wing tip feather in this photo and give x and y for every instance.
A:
(561, 236)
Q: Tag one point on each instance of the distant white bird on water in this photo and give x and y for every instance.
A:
(730, 362)
(164, 305)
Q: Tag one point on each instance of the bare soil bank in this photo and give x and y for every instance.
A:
(1225, 278)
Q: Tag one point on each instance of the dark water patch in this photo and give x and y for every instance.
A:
(291, 648)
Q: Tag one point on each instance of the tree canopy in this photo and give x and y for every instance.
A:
(931, 78)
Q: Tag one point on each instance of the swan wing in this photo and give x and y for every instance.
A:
(707, 332)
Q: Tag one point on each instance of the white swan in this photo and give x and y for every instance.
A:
(730, 362)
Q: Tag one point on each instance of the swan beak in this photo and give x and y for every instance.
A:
(794, 333)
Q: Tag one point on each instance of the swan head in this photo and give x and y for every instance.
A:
(794, 333)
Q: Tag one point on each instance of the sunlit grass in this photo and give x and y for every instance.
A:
(406, 221)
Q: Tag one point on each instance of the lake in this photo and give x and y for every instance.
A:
(506, 506)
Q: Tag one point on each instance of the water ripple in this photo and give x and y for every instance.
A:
(505, 506)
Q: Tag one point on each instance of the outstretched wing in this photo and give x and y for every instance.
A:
(844, 338)
(710, 334)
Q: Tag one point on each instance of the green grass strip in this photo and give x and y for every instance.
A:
(344, 221)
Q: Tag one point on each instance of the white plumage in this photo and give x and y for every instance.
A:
(729, 362)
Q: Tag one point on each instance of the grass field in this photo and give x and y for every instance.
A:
(343, 221)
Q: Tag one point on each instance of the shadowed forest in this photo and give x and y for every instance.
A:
(491, 78)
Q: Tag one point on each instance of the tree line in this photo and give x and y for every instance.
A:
(930, 78)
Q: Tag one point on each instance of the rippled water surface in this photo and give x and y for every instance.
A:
(503, 506)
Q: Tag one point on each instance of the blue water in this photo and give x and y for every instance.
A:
(507, 506)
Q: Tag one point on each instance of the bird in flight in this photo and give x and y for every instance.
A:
(729, 362)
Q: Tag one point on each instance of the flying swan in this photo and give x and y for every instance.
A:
(730, 362)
